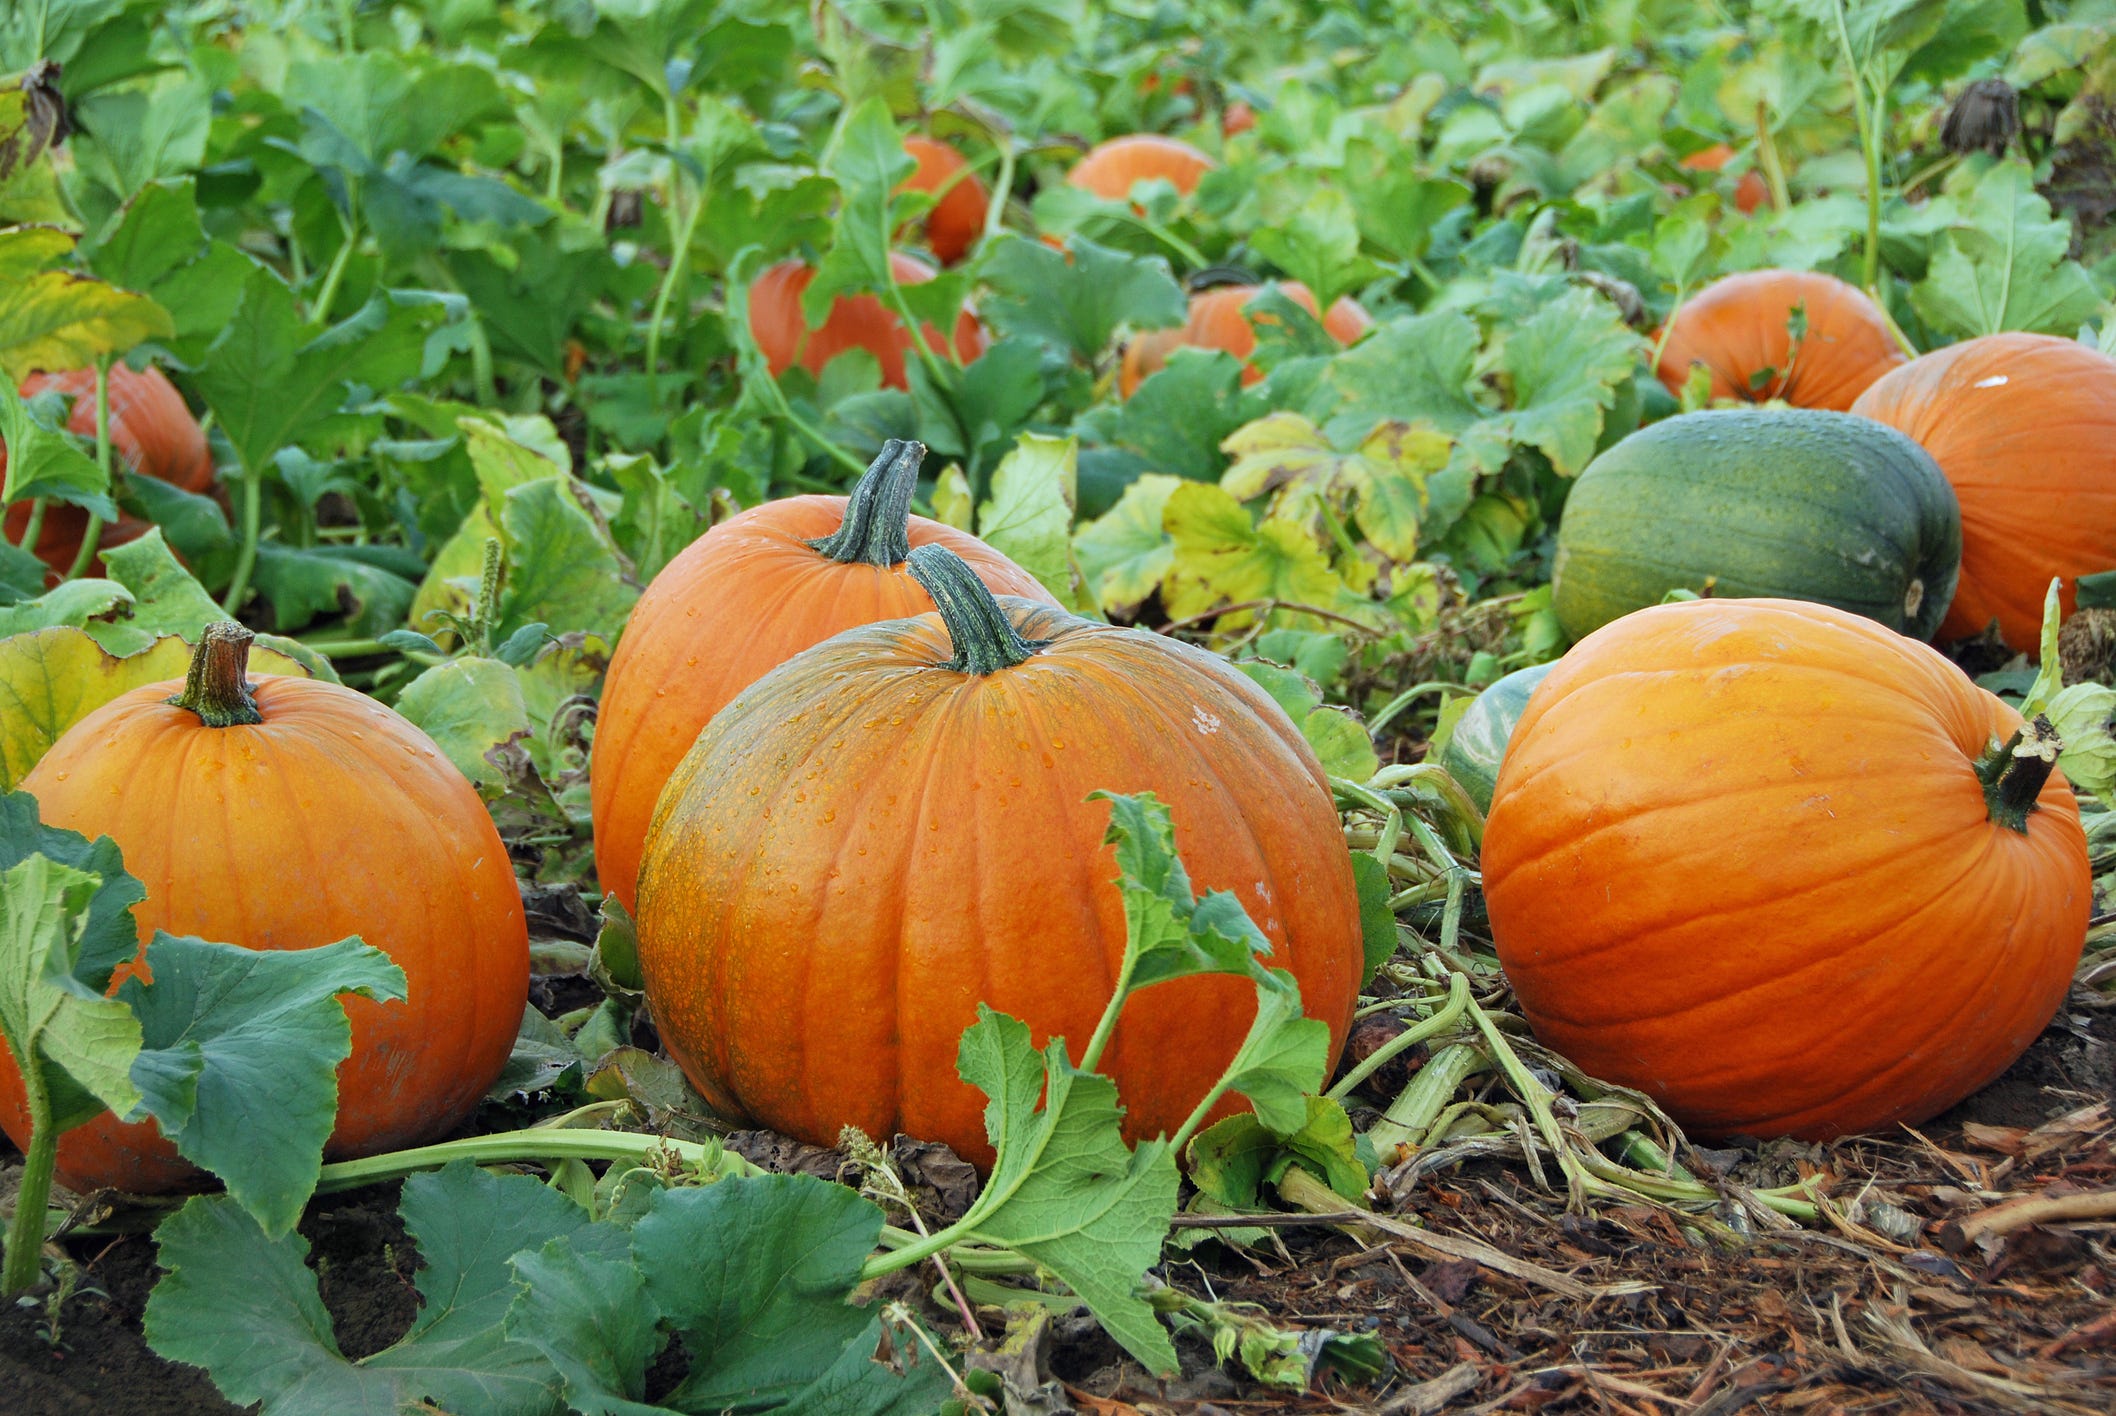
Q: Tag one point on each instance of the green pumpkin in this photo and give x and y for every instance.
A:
(1473, 751)
(1789, 503)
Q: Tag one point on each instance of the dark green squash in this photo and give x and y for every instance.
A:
(1787, 503)
(1474, 748)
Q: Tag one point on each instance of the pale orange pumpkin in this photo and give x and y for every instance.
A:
(1218, 320)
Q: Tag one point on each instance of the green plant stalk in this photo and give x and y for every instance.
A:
(1441, 1021)
(25, 1233)
(1870, 147)
(320, 312)
(246, 558)
(92, 536)
(1773, 165)
(1413, 1111)
(34, 527)
(485, 613)
(1409, 696)
(995, 213)
(679, 268)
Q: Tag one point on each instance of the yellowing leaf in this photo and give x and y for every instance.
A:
(1124, 552)
(1222, 557)
(1288, 456)
(952, 505)
(57, 320)
(53, 678)
(1396, 459)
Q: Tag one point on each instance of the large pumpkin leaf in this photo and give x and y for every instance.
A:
(468, 706)
(51, 1019)
(1125, 552)
(1029, 516)
(57, 319)
(2003, 266)
(1077, 298)
(44, 461)
(239, 1055)
(245, 1306)
(53, 678)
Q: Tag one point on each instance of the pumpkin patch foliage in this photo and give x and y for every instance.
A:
(1057, 706)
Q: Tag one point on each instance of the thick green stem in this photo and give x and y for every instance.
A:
(25, 1233)
(1767, 158)
(2013, 774)
(320, 312)
(217, 686)
(1442, 1021)
(92, 537)
(877, 526)
(985, 639)
(252, 528)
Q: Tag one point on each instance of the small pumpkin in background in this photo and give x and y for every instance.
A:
(1217, 321)
(1792, 503)
(1110, 169)
(1476, 745)
(1750, 192)
(1236, 118)
(284, 814)
(736, 603)
(151, 428)
(894, 827)
(2024, 427)
(1785, 871)
(1741, 329)
(957, 218)
(859, 321)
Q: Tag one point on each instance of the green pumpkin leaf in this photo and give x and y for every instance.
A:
(1283, 1057)
(1342, 742)
(755, 1273)
(2003, 265)
(165, 598)
(50, 1018)
(1318, 245)
(238, 1063)
(1377, 922)
(563, 568)
(468, 706)
(1076, 299)
(1177, 418)
(245, 1306)
(1171, 933)
(1066, 1191)
(44, 461)
(362, 583)
(1029, 516)
(1124, 553)
(1566, 363)
(1234, 1160)
(592, 1317)
(74, 603)
(109, 937)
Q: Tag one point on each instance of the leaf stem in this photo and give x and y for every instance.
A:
(1443, 1019)
(679, 267)
(33, 528)
(25, 1233)
(320, 312)
(246, 558)
(1870, 147)
(92, 535)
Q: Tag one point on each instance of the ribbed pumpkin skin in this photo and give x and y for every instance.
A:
(958, 218)
(854, 322)
(1739, 858)
(1478, 744)
(736, 603)
(151, 428)
(334, 816)
(1109, 169)
(1737, 328)
(867, 844)
(1216, 322)
(2024, 426)
(1793, 503)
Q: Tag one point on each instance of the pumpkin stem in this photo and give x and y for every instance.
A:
(217, 686)
(2013, 774)
(877, 526)
(985, 639)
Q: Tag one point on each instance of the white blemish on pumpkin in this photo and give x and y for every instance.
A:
(1995, 381)
(1204, 722)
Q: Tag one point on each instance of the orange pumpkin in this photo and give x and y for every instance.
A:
(283, 814)
(1217, 321)
(1109, 169)
(150, 427)
(1739, 328)
(957, 219)
(2024, 426)
(737, 602)
(854, 322)
(1742, 855)
(893, 827)
(1236, 117)
(1749, 193)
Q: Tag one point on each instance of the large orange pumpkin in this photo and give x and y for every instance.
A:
(854, 322)
(283, 814)
(150, 427)
(1109, 169)
(957, 219)
(894, 827)
(2024, 426)
(1217, 321)
(1742, 855)
(1749, 193)
(1739, 329)
(737, 602)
